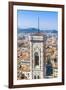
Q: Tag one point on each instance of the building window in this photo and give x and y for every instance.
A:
(34, 77)
(38, 77)
(36, 58)
(55, 60)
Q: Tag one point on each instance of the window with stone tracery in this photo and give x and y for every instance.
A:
(36, 58)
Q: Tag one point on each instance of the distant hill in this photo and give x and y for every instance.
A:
(33, 30)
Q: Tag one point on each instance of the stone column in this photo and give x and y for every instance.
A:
(42, 59)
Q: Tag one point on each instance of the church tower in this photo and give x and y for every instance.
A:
(37, 55)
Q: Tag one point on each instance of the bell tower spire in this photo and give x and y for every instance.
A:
(38, 25)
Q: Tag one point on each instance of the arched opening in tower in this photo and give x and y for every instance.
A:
(36, 59)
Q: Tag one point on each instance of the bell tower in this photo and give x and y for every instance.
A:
(37, 55)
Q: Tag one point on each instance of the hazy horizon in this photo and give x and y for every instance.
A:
(36, 28)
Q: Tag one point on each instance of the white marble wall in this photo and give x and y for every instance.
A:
(36, 47)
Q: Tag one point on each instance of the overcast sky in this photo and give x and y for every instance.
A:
(29, 19)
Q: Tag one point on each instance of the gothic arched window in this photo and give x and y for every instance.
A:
(36, 58)
(34, 77)
(38, 77)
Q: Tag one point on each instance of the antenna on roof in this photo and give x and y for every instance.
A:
(38, 24)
